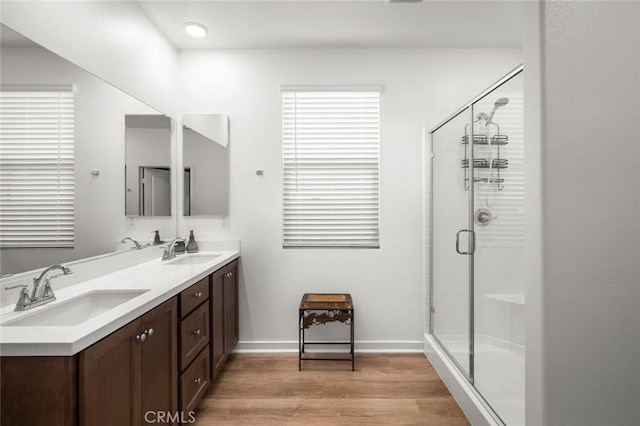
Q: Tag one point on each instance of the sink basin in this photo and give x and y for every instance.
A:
(77, 310)
(193, 259)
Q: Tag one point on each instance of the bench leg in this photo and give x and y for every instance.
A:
(353, 357)
(300, 342)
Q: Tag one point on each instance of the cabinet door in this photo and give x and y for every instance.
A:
(231, 306)
(125, 375)
(217, 300)
(109, 379)
(159, 369)
(39, 390)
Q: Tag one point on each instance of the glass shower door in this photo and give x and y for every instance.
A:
(451, 240)
(499, 255)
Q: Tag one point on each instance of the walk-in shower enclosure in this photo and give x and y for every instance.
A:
(475, 243)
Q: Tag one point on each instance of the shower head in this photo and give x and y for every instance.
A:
(498, 104)
(501, 102)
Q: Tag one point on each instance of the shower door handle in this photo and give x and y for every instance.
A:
(472, 236)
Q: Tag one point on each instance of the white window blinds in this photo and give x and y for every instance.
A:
(36, 167)
(331, 168)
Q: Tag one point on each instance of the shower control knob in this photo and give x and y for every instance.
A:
(483, 217)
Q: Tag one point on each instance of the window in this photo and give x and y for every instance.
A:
(36, 167)
(331, 168)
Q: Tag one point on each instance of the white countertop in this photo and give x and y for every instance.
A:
(161, 279)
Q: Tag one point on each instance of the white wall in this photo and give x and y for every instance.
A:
(99, 144)
(112, 39)
(421, 88)
(590, 198)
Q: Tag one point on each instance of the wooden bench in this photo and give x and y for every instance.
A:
(322, 308)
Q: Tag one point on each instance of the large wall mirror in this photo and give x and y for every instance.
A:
(205, 140)
(98, 131)
(147, 165)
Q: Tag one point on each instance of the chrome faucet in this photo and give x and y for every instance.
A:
(138, 246)
(169, 251)
(42, 292)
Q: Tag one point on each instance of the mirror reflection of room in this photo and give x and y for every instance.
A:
(147, 165)
(206, 165)
(98, 153)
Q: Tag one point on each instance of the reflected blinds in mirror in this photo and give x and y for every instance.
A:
(36, 167)
(331, 168)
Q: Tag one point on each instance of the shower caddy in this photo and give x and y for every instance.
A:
(492, 163)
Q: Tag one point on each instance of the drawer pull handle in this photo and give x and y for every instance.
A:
(150, 332)
(198, 294)
(197, 332)
(197, 381)
(141, 337)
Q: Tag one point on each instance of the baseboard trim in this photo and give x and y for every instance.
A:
(361, 346)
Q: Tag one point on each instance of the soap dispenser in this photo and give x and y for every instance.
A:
(192, 246)
(156, 239)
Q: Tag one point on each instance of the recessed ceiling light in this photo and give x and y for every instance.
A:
(195, 30)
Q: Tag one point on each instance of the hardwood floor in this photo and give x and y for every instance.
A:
(385, 389)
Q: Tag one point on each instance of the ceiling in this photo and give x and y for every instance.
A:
(340, 23)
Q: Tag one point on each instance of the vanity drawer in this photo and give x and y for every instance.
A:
(194, 334)
(194, 382)
(193, 296)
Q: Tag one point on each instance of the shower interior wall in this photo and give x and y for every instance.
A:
(499, 278)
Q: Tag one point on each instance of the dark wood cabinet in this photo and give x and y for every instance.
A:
(163, 361)
(224, 315)
(192, 297)
(159, 360)
(39, 390)
(217, 300)
(132, 371)
(112, 362)
(231, 306)
(195, 335)
(194, 382)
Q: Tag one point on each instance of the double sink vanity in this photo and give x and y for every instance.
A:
(120, 338)
(122, 347)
